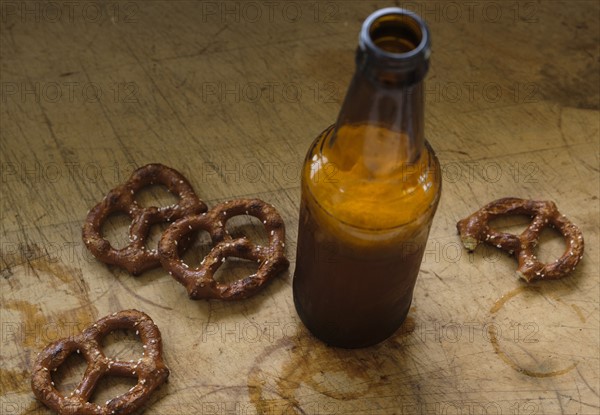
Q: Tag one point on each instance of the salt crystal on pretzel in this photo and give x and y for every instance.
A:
(475, 229)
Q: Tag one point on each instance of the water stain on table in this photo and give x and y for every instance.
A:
(40, 320)
(339, 374)
(503, 355)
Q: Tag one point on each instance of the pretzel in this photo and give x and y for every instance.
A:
(475, 228)
(150, 369)
(200, 281)
(134, 257)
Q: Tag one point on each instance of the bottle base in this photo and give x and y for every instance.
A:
(331, 340)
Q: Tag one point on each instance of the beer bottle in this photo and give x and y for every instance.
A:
(370, 188)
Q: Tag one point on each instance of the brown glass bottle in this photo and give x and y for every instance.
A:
(370, 189)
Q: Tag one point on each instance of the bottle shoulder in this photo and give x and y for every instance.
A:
(366, 183)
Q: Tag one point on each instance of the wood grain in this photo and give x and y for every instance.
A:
(232, 94)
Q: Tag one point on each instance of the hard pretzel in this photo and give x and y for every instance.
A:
(150, 369)
(475, 228)
(134, 257)
(200, 282)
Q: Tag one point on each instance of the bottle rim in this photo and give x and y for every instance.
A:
(419, 53)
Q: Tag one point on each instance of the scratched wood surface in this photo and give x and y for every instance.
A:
(232, 94)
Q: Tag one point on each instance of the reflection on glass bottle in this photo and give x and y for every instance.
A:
(370, 188)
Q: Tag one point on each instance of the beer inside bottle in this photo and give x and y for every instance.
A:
(370, 188)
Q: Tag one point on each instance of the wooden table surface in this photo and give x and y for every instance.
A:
(232, 94)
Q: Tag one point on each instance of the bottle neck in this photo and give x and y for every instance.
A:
(386, 92)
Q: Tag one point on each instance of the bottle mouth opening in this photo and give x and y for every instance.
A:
(395, 33)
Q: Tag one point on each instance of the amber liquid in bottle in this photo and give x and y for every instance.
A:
(370, 188)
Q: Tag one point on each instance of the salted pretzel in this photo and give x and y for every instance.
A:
(149, 369)
(475, 228)
(135, 258)
(200, 281)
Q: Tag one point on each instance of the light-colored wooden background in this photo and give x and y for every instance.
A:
(232, 94)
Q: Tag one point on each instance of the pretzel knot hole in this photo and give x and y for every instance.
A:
(122, 344)
(67, 376)
(110, 386)
(235, 268)
(510, 224)
(157, 195)
(115, 229)
(550, 246)
(156, 231)
(249, 227)
(197, 250)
